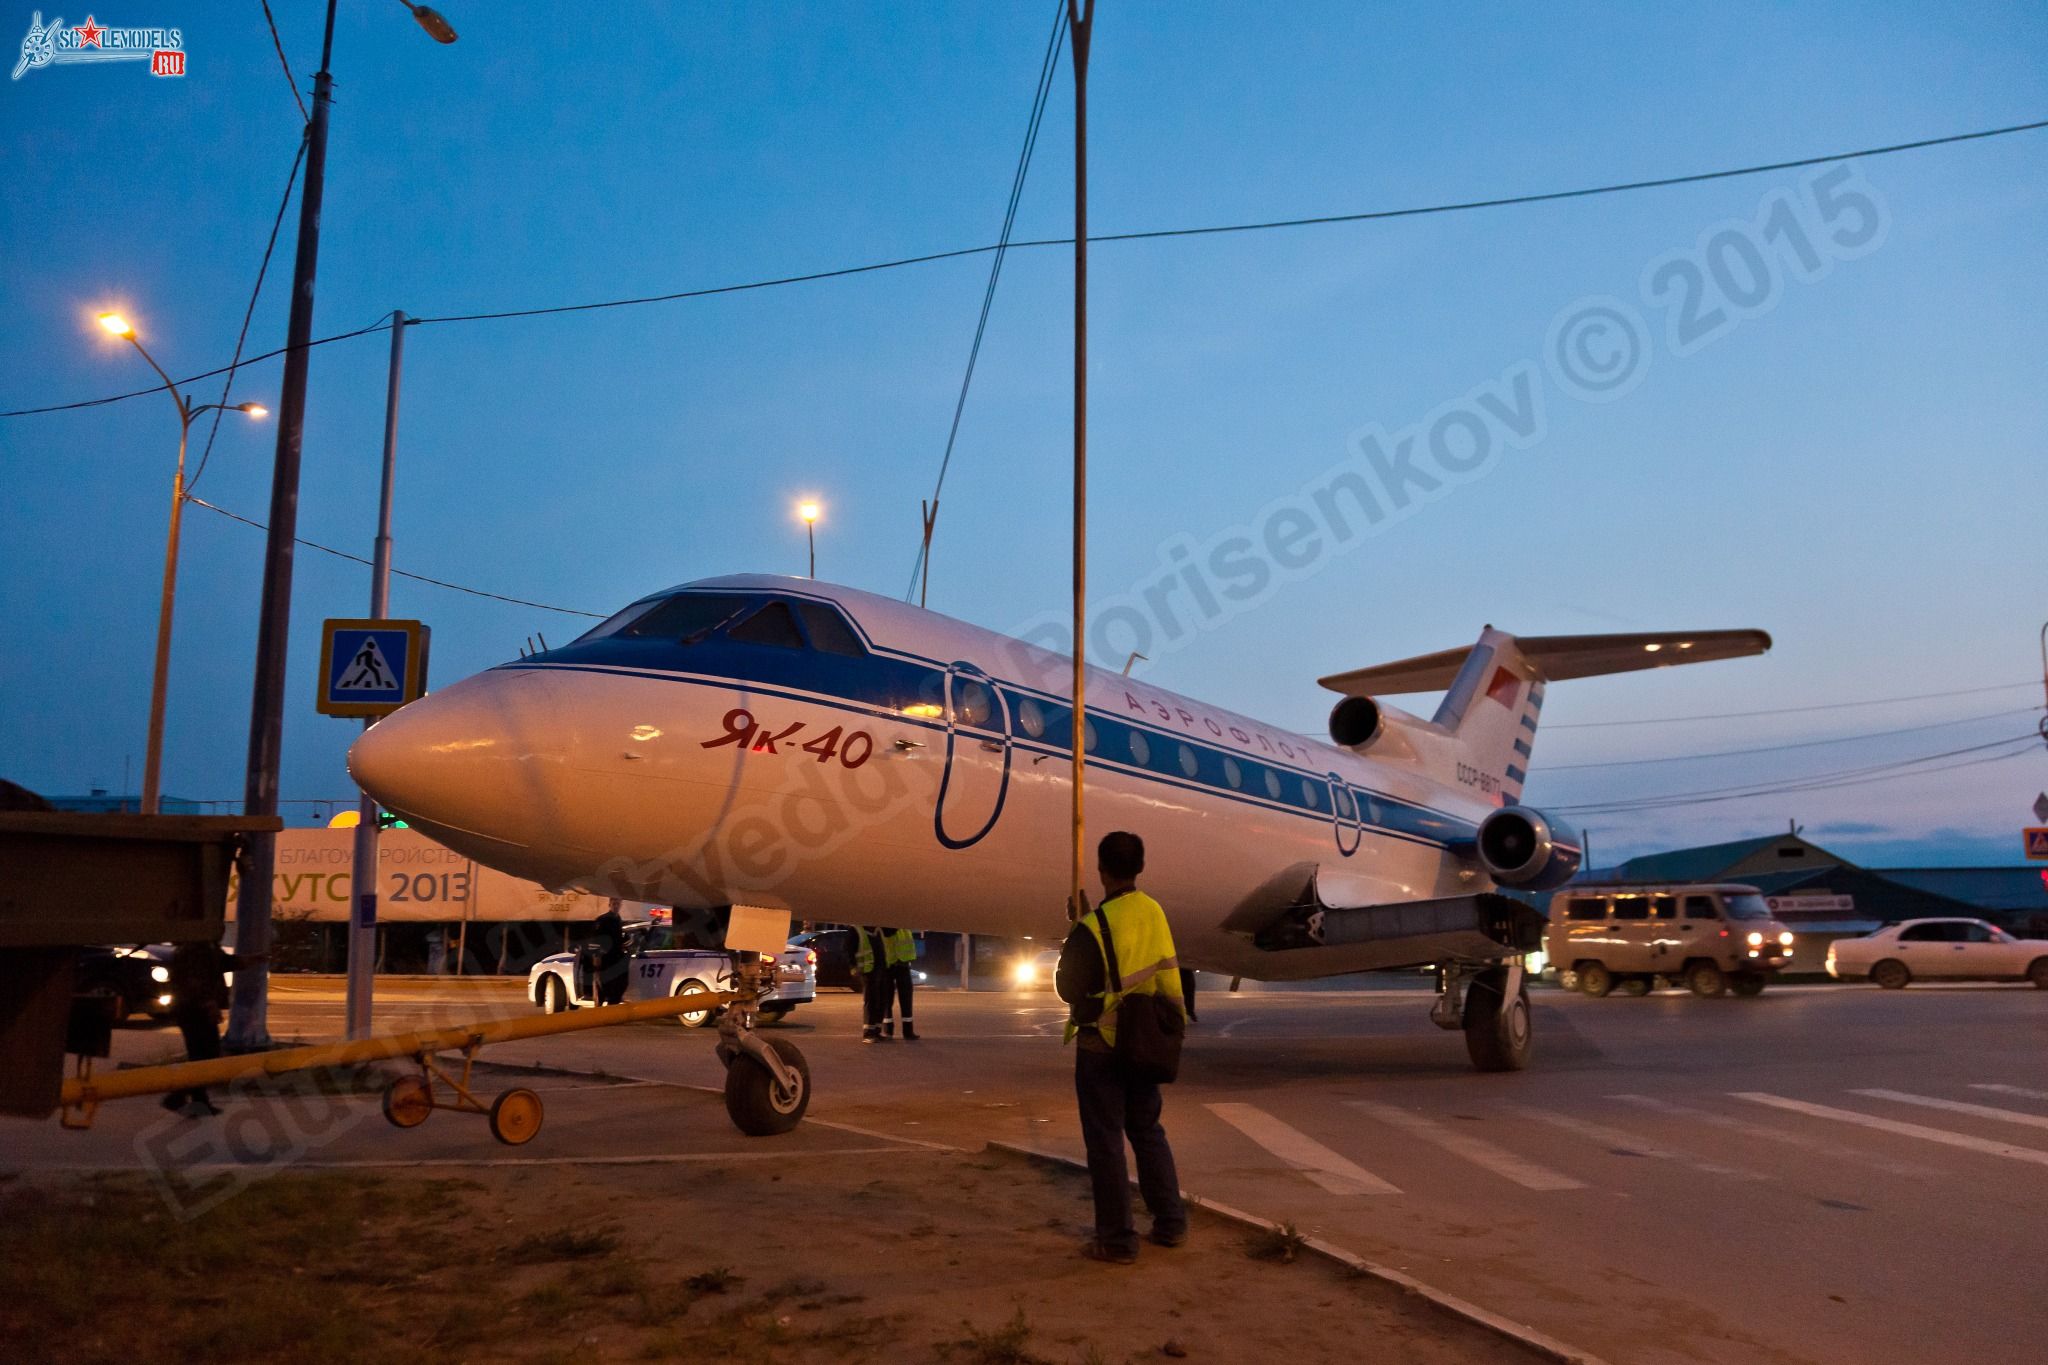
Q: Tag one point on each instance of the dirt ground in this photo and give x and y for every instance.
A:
(912, 1256)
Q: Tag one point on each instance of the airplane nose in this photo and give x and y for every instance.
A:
(464, 760)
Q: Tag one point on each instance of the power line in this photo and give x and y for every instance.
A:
(1374, 215)
(1793, 710)
(1046, 67)
(241, 338)
(1777, 748)
(290, 79)
(416, 577)
(1811, 782)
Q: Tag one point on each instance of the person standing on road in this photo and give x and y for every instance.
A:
(199, 991)
(899, 946)
(870, 959)
(609, 933)
(1127, 938)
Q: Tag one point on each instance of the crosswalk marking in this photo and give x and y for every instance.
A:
(1981, 1111)
(1832, 1151)
(2017, 1091)
(1301, 1151)
(1913, 1130)
(1476, 1150)
(1627, 1143)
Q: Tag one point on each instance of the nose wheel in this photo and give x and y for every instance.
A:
(767, 1081)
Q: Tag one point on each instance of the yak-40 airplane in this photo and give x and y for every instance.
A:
(783, 743)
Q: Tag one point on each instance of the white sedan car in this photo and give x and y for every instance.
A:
(659, 966)
(1939, 950)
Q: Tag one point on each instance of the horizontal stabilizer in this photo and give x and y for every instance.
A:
(1557, 657)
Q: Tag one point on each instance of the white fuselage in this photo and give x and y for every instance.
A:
(924, 783)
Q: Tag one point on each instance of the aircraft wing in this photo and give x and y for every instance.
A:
(1311, 923)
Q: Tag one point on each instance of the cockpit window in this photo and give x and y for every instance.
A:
(828, 630)
(688, 616)
(773, 624)
(617, 621)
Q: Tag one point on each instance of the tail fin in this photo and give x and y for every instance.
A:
(1493, 690)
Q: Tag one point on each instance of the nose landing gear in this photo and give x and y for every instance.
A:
(767, 1081)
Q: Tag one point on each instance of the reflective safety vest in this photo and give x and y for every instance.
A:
(1144, 956)
(864, 948)
(899, 946)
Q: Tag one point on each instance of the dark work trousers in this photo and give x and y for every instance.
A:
(1114, 1106)
(1187, 990)
(611, 980)
(875, 1003)
(899, 984)
(201, 1029)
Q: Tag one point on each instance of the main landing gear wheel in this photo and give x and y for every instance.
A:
(1497, 1033)
(408, 1101)
(1595, 979)
(515, 1116)
(758, 1106)
(1747, 984)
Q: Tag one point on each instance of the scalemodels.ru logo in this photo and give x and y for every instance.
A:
(54, 44)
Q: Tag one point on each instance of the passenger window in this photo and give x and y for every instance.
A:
(1665, 907)
(1585, 907)
(689, 616)
(1189, 764)
(828, 630)
(971, 704)
(1631, 908)
(1089, 738)
(1272, 784)
(1701, 907)
(1233, 773)
(1347, 809)
(1977, 933)
(1031, 718)
(1141, 748)
(1923, 933)
(1311, 795)
(774, 625)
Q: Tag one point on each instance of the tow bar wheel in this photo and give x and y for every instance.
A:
(408, 1101)
(515, 1116)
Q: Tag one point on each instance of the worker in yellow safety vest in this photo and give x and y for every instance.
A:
(1115, 1103)
(871, 960)
(899, 950)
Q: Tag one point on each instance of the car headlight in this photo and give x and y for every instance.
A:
(1755, 939)
(1785, 938)
(1025, 973)
(159, 974)
(163, 1000)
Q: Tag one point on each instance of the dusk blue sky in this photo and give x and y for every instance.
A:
(1854, 465)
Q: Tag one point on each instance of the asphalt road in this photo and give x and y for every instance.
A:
(1819, 1175)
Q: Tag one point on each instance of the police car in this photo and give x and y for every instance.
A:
(659, 965)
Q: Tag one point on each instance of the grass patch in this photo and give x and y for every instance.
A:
(1282, 1245)
(568, 1244)
(1008, 1344)
(719, 1279)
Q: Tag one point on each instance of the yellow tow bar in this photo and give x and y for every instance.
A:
(515, 1115)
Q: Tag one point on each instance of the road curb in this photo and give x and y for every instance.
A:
(1518, 1332)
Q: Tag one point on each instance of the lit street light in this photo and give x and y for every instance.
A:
(153, 752)
(807, 512)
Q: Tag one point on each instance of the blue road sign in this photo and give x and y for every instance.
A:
(371, 668)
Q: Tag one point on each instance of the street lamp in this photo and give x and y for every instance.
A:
(153, 752)
(807, 512)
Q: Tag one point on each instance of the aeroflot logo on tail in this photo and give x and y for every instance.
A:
(55, 44)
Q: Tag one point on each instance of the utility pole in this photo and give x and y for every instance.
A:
(248, 1022)
(362, 920)
(1081, 23)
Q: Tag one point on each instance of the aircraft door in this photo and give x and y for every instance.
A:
(1347, 817)
(979, 749)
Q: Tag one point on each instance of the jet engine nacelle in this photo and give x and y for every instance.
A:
(1528, 850)
(1356, 722)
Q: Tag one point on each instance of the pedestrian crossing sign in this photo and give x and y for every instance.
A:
(2037, 843)
(371, 668)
